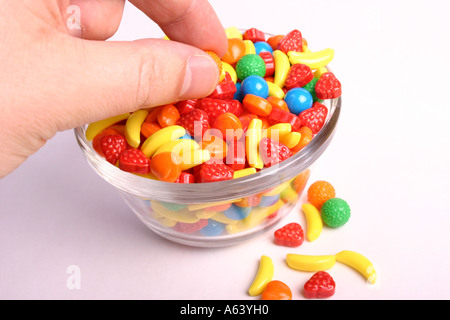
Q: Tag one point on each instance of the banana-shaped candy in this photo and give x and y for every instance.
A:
(252, 139)
(161, 137)
(282, 66)
(263, 277)
(359, 263)
(314, 224)
(133, 127)
(314, 60)
(310, 263)
(96, 127)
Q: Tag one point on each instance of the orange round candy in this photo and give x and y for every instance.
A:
(257, 105)
(304, 140)
(166, 166)
(273, 41)
(278, 103)
(235, 51)
(149, 128)
(319, 192)
(229, 125)
(276, 290)
(168, 115)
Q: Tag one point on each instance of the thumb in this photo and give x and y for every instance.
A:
(110, 78)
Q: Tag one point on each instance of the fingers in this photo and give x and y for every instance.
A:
(94, 19)
(110, 78)
(189, 21)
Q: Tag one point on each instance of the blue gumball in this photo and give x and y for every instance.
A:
(298, 100)
(262, 46)
(237, 213)
(255, 85)
(213, 228)
(238, 94)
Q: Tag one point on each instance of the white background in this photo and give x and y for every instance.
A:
(389, 159)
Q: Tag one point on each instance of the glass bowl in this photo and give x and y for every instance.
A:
(219, 213)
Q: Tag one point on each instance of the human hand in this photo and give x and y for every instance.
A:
(56, 77)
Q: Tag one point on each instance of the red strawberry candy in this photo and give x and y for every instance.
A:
(291, 235)
(213, 108)
(281, 116)
(112, 147)
(186, 106)
(235, 107)
(195, 122)
(314, 117)
(299, 75)
(134, 161)
(328, 87)
(273, 152)
(185, 177)
(213, 172)
(321, 285)
(291, 42)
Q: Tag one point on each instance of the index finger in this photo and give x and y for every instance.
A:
(193, 22)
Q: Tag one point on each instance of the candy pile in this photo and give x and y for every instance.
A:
(267, 106)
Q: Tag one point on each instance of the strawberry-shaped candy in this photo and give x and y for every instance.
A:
(190, 227)
(134, 161)
(299, 75)
(112, 146)
(273, 152)
(213, 172)
(291, 42)
(235, 107)
(291, 235)
(328, 87)
(314, 117)
(321, 285)
(213, 108)
(195, 122)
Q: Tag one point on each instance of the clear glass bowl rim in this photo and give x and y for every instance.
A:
(196, 193)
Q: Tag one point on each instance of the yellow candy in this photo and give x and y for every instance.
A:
(194, 207)
(96, 127)
(291, 139)
(252, 139)
(222, 218)
(243, 172)
(256, 216)
(160, 137)
(319, 72)
(182, 215)
(282, 66)
(249, 47)
(233, 32)
(193, 158)
(314, 60)
(178, 146)
(204, 214)
(133, 127)
(263, 276)
(314, 224)
(275, 91)
(229, 68)
(310, 263)
(277, 131)
(289, 195)
(359, 263)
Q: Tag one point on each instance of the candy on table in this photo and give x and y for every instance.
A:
(335, 212)
(263, 276)
(276, 290)
(320, 285)
(319, 192)
(290, 235)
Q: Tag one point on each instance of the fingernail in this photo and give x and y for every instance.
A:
(201, 77)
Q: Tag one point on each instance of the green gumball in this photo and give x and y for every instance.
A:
(335, 212)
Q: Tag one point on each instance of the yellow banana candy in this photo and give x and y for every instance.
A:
(252, 139)
(161, 137)
(263, 277)
(314, 60)
(226, 67)
(233, 32)
(96, 127)
(275, 91)
(249, 47)
(178, 146)
(359, 263)
(243, 172)
(291, 139)
(314, 222)
(193, 158)
(310, 263)
(282, 66)
(133, 127)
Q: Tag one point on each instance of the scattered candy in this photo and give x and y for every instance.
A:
(358, 262)
(335, 212)
(320, 285)
(276, 290)
(263, 276)
(314, 223)
(291, 235)
(310, 263)
(319, 192)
